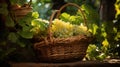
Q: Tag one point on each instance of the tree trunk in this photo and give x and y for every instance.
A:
(107, 10)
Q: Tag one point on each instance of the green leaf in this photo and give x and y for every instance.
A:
(115, 29)
(22, 22)
(91, 14)
(3, 9)
(92, 52)
(102, 56)
(40, 24)
(94, 29)
(13, 37)
(104, 34)
(64, 16)
(26, 28)
(72, 18)
(105, 43)
(21, 44)
(35, 22)
(26, 34)
(117, 37)
(117, 8)
(25, 20)
(79, 20)
(10, 50)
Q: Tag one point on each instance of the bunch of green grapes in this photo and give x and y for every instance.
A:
(66, 29)
(62, 29)
(80, 30)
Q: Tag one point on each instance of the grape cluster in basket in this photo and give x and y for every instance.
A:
(66, 29)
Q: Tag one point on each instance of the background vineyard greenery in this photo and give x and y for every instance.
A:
(107, 39)
(17, 36)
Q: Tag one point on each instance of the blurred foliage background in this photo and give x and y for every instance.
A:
(45, 7)
(103, 18)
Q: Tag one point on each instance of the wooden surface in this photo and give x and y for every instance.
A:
(110, 63)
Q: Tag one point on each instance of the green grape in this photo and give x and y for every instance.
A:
(81, 30)
(61, 28)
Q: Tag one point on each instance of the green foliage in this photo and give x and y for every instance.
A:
(9, 22)
(107, 35)
(39, 27)
(26, 34)
(20, 2)
(117, 6)
(31, 26)
(35, 15)
(92, 52)
(73, 19)
(95, 52)
(3, 9)
(92, 16)
(99, 50)
(43, 7)
(12, 37)
(18, 34)
(26, 26)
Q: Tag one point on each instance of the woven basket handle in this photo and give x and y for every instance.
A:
(72, 4)
(58, 12)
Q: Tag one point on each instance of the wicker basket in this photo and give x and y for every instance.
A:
(20, 12)
(62, 49)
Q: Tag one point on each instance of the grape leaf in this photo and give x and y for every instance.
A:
(92, 52)
(13, 37)
(92, 16)
(21, 44)
(39, 23)
(26, 28)
(26, 34)
(72, 19)
(3, 9)
(105, 43)
(65, 17)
